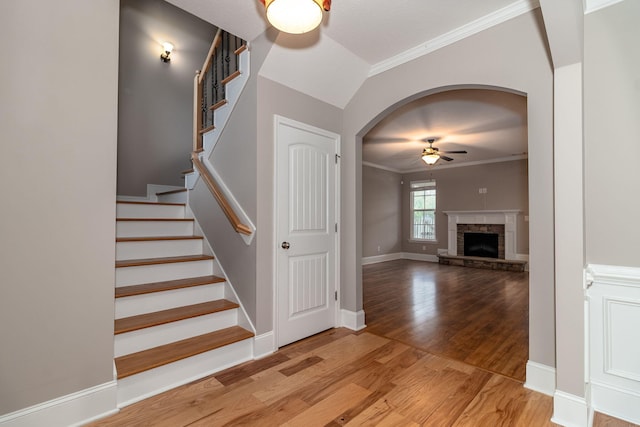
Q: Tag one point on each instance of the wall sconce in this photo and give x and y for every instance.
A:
(168, 47)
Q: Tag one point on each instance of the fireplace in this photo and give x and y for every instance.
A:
(476, 233)
(502, 223)
(481, 245)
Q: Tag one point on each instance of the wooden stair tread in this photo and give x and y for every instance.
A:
(218, 104)
(128, 202)
(149, 320)
(164, 193)
(157, 238)
(230, 77)
(161, 260)
(207, 129)
(155, 219)
(141, 361)
(169, 285)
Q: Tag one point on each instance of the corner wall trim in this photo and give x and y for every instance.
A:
(420, 257)
(399, 255)
(264, 345)
(74, 409)
(541, 378)
(352, 320)
(381, 258)
(569, 410)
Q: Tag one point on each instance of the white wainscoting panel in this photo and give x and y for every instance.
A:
(614, 340)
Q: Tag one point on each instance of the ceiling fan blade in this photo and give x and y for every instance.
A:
(455, 152)
(448, 159)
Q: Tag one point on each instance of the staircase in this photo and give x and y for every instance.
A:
(176, 318)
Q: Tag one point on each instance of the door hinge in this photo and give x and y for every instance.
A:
(337, 157)
(336, 227)
(336, 295)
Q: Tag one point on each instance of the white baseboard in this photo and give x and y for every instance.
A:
(541, 378)
(381, 258)
(399, 255)
(420, 257)
(570, 410)
(352, 320)
(616, 402)
(264, 345)
(71, 410)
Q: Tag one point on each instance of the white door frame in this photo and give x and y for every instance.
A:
(277, 122)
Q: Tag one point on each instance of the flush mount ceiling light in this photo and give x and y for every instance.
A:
(295, 16)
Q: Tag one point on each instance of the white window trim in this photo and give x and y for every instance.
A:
(420, 186)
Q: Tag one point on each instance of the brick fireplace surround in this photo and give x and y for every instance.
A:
(503, 223)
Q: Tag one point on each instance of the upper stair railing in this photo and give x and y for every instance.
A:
(220, 67)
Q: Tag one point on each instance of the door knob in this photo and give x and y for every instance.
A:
(285, 245)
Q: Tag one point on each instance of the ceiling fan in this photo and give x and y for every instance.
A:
(431, 154)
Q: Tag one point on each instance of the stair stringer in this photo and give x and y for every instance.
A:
(229, 292)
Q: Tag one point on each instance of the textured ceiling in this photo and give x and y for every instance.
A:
(373, 35)
(490, 125)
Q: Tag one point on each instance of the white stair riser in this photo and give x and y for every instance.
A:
(126, 276)
(149, 303)
(180, 197)
(144, 339)
(157, 249)
(153, 228)
(146, 384)
(148, 210)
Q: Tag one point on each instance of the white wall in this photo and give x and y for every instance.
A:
(155, 111)
(514, 56)
(58, 163)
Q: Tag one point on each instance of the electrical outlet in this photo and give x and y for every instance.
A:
(378, 248)
(424, 248)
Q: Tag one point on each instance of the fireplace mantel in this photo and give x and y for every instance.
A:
(507, 217)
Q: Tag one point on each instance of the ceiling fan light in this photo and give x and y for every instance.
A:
(430, 158)
(294, 16)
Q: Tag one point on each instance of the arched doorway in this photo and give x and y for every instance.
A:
(479, 317)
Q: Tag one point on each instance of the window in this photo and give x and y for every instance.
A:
(423, 210)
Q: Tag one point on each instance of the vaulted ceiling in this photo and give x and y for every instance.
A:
(361, 38)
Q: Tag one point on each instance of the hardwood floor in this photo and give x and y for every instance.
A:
(341, 377)
(480, 317)
(383, 375)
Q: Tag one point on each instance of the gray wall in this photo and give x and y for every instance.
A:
(514, 56)
(58, 158)
(235, 160)
(457, 190)
(274, 98)
(612, 134)
(381, 212)
(155, 116)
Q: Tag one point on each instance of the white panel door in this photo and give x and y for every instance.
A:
(305, 230)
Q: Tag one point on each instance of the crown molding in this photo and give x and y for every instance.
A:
(464, 164)
(386, 168)
(593, 5)
(498, 17)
